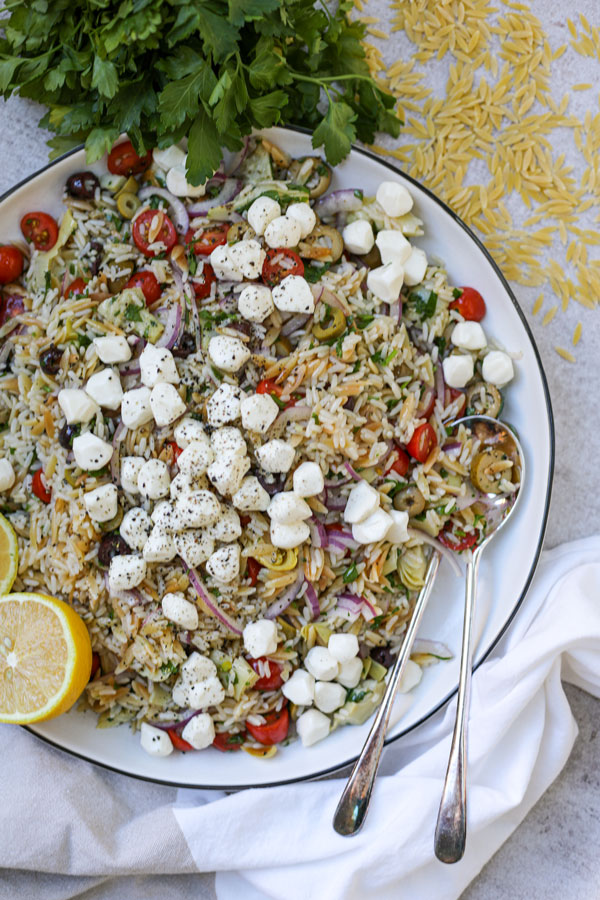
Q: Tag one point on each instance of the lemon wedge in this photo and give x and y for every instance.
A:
(45, 657)
(9, 556)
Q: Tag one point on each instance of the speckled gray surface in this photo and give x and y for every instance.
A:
(554, 853)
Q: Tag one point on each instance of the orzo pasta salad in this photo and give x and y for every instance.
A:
(227, 439)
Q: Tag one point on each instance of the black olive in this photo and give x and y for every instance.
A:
(184, 346)
(83, 185)
(383, 656)
(111, 545)
(66, 435)
(96, 249)
(50, 360)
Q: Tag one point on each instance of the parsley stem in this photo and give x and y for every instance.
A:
(328, 78)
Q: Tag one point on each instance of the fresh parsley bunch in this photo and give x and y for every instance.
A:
(208, 69)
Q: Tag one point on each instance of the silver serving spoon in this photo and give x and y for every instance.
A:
(354, 802)
(451, 828)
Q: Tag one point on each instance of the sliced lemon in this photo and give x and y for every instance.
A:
(45, 657)
(9, 556)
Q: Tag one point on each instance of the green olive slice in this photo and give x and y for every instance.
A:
(117, 284)
(113, 523)
(240, 231)
(410, 500)
(488, 468)
(484, 400)
(323, 243)
(316, 176)
(130, 187)
(128, 204)
(331, 325)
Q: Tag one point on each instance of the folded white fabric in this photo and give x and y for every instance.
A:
(521, 734)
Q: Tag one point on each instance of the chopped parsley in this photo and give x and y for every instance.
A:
(355, 695)
(314, 273)
(169, 668)
(133, 313)
(456, 293)
(425, 302)
(351, 574)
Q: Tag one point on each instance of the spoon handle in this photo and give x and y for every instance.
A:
(451, 827)
(354, 802)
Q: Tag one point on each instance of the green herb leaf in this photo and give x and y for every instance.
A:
(350, 575)
(336, 132)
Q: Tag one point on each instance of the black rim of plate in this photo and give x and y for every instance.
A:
(342, 765)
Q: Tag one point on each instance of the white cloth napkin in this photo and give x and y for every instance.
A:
(521, 734)
(67, 826)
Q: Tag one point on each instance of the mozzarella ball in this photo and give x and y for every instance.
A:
(468, 336)
(130, 470)
(358, 236)
(154, 479)
(385, 281)
(300, 688)
(321, 664)
(223, 265)
(251, 495)
(260, 638)
(112, 349)
(224, 563)
(304, 216)
(398, 530)
(283, 232)
(91, 452)
(392, 245)
(199, 731)
(415, 267)
(179, 610)
(343, 646)
(135, 408)
(198, 508)
(157, 364)
(255, 302)
(312, 726)
(77, 406)
(227, 471)
(458, 370)
(248, 257)
(276, 456)
(329, 696)
(293, 294)
(363, 500)
(350, 672)
(286, 537)
(224, 405)
(263, 211)
(126, 572)
(194, 545)
(228, 353)
(372, 529)
(160, 546)
(394, 199)
(228, 527)
(155, 741)
(166, 404)
(497, 368)
(178, 184)
(196, 458)
(188, 430)
(308, 479)
(136, 527)
(259, 411)
(228, 440)
(102, 503)
(287, 507)
(105, 388)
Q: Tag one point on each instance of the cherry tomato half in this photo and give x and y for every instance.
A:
(275, 729)
(227, 742)
(426, 404)
(76, 287)
(453, 394)
(95, 664)
(175, 450)
(41, 229)
(11, 263)
(422, 442)
(147, 282)
(274, 390)
(178, 742)
(253, 569)
(11, 305)
(470, 304)
(267, 682)
(40, 488)
(203, 282)
(455, 542)
(205, 243)
(123, 160)
(279, 263)
(167, 234)
(399, 462)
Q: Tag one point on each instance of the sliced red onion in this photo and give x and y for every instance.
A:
(178, 724)
(294, 414)
(452, 445)
(231, 188)
(172, 331)
(356, 603)
(469, 500)
(440, 384)
(209, 602)
(179, 213)
(338, 202)
(341, 540)
(333, 482)
(424, 538)
(118, 438)
(334, 502)
(239, 157)
(281, 604)
(432, 648)
(318, 533)
(313, 600)
(293, 324)
(429, 394)
(352, 472)
(331, 299)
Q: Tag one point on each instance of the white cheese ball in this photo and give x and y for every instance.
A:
(198, 508)
(276, 456)
(166, 404)
(223, 265)
(178, 609)
(385, 281)
(468, 336)
(228, 353)
(410, 677)
(329, 696)
(251, 495)
(227, 528)
(394, 199)
(283, 232)
(458, 370)
(91, 452)
(126, 572)
(259, 411)
(286, 537)
(293, 294)
(102, 503)
(343, 646)
(228, 440)
(263, 211)
(157, 365)
(188, 430)
(135, 408)
(169, 157)
(308, 479)
(398, 531)
(155, 741)
(194, 545)
(7, 475)
(130, 470)
(304, 216)
(224, 405)
(260, 638)
(199, 731)
(77, 406)
(178, 184)
(136, 527)
(224, 563)
(392, 245)
(248, 258)
(321, 664)
(415, 267)
(287, 507)
(362, 502)
(255, 302)
(196, 458)
(372, 529)
(105, 389)
(209, 692)
(154, 479)
(358, 236)
(112, 349)
(312, 726)
(227, 471)
(497, 368)
(300, 688)
(198, 668)
(160, 546)
(350, 672)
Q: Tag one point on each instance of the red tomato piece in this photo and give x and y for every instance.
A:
(267, 682)
(123, 160)
(227, 742)
(205, 243)
(422, 442)
(455, 542)
(253, 569)
(203, 282)
(95, 664)
(141, 226)
(11, 263)
(147, 282)
(426, 404)
(275, 729)
(279, 263)
(269, 386)
(76, 287)
(470, 304)
(175, 450)
(40, 488)
(399, 462)
(11, 305)
(178, 742)
(453, 394)
(41, 229)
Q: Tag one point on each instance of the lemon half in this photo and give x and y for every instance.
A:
(9, 556)
(45, 657)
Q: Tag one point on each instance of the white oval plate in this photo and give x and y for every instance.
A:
(507, 566)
